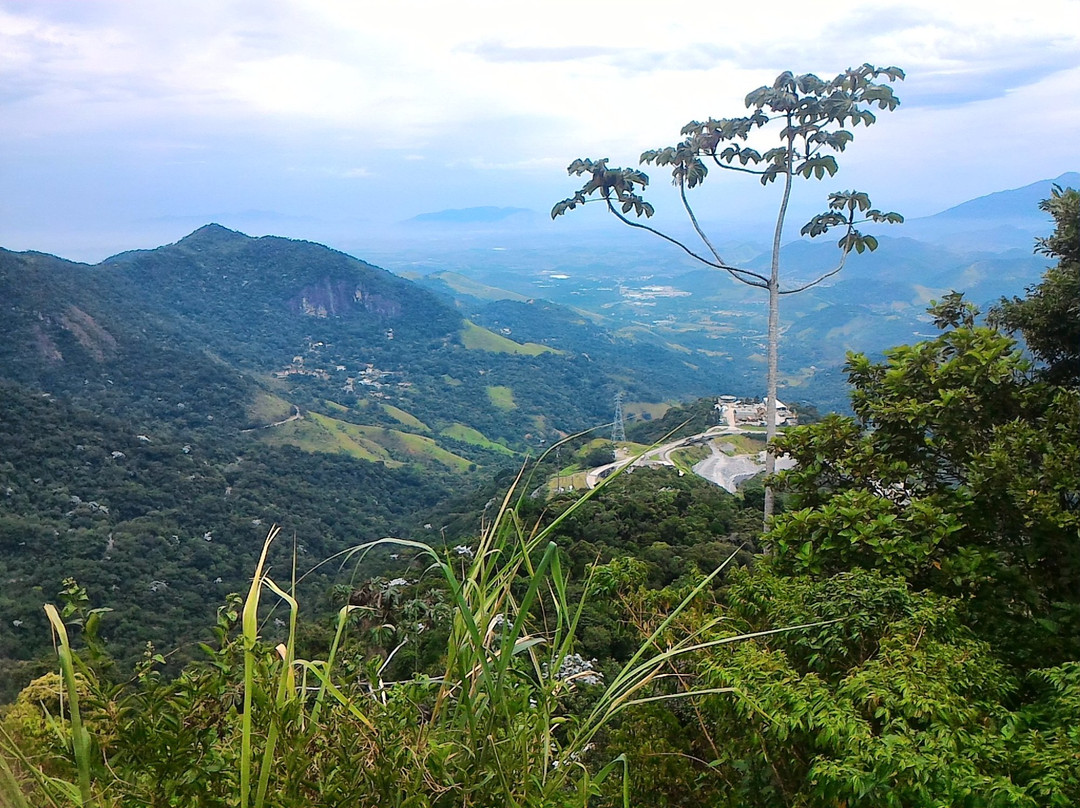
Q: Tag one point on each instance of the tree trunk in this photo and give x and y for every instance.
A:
(774, 338)
(770, 404)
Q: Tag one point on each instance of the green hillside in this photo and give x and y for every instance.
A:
(476, 338)
(162, 409)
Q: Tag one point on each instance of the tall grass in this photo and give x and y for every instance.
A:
(72, 735)
(491, 728)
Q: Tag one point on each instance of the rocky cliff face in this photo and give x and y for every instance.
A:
(98, 342)
(51, 311)
(342, 298)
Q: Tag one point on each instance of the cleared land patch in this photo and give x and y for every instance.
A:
(406, 418)
(420, 446)
(467, 434)
(502, 397)
(467, 286)
(638, 409)
(476, 338)
(268, 408)
(740, 444)
(321, 433)
(687, 457)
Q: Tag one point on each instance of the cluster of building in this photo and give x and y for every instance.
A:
(369, 376)
(297, 369)
(736, 411)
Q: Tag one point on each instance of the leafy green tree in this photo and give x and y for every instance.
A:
(959, 473)
(811, 116)
(881, 696)
(599, 456)
(1049, 316)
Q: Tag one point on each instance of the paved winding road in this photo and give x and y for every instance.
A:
(724, 470)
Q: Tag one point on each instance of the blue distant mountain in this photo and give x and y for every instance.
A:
(995, 222)
(1016, 203)
(479, 215)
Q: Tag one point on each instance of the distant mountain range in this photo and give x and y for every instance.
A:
(1018, 203)
(997, 221)
(1012, 214)
(480, 215)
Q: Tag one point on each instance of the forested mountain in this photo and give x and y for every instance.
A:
(160, 410)
(311, 326)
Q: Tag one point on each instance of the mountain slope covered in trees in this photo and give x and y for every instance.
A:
(162, 409)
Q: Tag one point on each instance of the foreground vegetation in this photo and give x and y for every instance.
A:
(908, 637)
(259, 726)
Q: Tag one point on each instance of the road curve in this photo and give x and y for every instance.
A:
(718, 468)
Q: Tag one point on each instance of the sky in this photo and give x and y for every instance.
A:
(128, 124)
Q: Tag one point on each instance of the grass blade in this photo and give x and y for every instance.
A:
(80, 738)
(250, 629)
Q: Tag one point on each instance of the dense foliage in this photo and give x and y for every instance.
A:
(956, 475)
(161, 529)
(930, 555)
(1049, 315)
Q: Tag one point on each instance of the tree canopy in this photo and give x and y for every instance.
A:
(1049, 316)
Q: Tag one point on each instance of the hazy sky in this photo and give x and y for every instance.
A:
(127, 124)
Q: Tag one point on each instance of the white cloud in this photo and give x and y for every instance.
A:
(499, 94)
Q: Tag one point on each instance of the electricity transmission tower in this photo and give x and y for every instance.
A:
(618, 427)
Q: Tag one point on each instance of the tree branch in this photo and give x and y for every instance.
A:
(732, 270)
(816, 281)
(730, 167)
(720, 261)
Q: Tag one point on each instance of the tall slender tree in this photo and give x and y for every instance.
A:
(811, 116)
